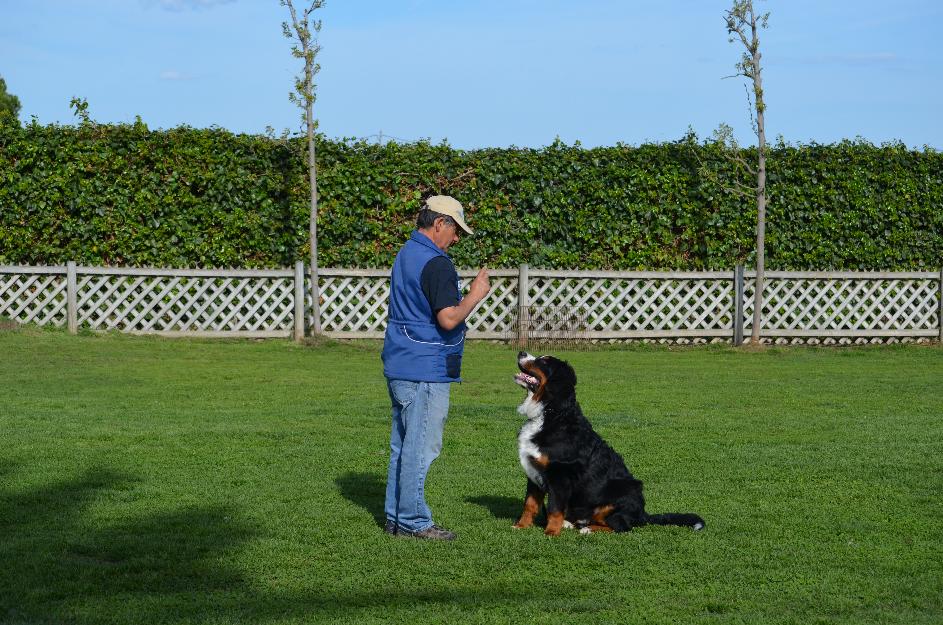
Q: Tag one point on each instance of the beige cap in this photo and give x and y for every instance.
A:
(447, 205)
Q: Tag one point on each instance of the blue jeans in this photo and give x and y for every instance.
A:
(419, 413)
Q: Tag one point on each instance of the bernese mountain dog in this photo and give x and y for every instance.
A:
(585, 481)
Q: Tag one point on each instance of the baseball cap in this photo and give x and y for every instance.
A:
(447, 205)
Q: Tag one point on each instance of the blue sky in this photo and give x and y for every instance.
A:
(489, 73)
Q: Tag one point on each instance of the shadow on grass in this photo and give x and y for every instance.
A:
(62, 563)
(500, 507)
(367, 490)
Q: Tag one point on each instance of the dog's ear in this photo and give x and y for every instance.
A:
(564, 377)
(569, 374)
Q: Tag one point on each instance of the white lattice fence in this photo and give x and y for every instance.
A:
(683, 306)
(846, 307)
(34, 295)
(172, 302)
(187, 302)
(353, 303)
(630, 305)
(496, 317)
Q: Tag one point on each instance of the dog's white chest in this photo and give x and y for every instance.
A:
(526, 449)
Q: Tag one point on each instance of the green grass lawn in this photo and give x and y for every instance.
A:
(168, 481)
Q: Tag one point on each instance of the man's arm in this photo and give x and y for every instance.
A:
(450, 317)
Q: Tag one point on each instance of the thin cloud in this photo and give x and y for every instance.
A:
(172, 74)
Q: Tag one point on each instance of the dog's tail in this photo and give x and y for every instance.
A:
(620, 521)
(685, 519)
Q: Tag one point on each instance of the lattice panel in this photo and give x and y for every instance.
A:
(351, 303)
(359, 304)
(498, 312)
(34, 298)
(617, 304)
(845, 304)
(167, 303)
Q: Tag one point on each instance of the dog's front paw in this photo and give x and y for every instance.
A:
(552, 531)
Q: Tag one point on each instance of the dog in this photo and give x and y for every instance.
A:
(586, 483)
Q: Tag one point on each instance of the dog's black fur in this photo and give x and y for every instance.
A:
(586, 482)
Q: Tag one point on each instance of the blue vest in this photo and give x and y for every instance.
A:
(415, 348)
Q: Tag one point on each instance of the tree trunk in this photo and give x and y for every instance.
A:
(760, 192)
(313, 227)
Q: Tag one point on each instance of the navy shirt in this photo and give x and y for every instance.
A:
(439, 283)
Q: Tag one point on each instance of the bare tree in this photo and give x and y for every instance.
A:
(742, 25)
(303, 33)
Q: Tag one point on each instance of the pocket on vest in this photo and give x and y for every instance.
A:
(453, 365)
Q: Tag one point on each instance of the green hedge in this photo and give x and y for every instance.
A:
(126, 195)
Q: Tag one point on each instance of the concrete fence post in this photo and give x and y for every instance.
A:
(738, 306)
(523, 306)
(71, 298)
(299, 301)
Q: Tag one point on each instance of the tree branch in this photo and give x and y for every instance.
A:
(750, 109)
(740, 189)
(736, 158)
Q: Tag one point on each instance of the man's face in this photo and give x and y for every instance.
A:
(445, 235)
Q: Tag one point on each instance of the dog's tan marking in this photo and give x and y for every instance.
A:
(531, 507)
(598, 522)
(541, 461)
(600, 514)
(554, 524)
(531, 370)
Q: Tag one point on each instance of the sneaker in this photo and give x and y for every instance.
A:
(433, 532)
(391, 528)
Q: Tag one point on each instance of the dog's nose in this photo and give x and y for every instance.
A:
(521, 355)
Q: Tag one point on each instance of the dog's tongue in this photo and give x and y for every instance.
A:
(526, 379)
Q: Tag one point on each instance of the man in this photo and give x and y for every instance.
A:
(422, 355)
